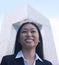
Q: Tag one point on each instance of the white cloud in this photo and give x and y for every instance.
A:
(55, 29)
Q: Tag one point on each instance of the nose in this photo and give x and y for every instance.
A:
(29, 34)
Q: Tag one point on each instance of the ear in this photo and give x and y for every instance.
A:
(39, 41)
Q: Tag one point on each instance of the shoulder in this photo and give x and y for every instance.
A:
(47, 62)
(7, 59)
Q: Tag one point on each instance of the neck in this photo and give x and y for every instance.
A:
(29, 54)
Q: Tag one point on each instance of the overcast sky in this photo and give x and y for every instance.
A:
(48, 8)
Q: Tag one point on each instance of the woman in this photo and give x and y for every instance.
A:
(28, 47)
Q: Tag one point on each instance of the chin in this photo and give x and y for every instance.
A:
(31, 46)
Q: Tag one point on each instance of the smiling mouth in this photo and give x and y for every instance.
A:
(29, 40)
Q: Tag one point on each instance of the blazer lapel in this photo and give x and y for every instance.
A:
(38, 62)
(19, 61)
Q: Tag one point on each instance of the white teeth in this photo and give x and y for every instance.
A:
(29, 40)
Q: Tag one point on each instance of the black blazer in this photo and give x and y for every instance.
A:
(11, 60)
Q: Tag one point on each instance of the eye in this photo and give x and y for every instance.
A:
(24, 31)
(33, 31)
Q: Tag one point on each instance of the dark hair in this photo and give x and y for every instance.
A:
(39, 48)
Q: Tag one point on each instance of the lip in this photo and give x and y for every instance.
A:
(29, 40)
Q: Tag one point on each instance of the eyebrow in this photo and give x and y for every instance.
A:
(26, 28)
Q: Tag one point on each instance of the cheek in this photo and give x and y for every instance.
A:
(21, 38)
(36, 38)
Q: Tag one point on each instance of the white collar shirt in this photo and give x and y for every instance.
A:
(20, 54)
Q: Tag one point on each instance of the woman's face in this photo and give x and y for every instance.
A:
(29, 36)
